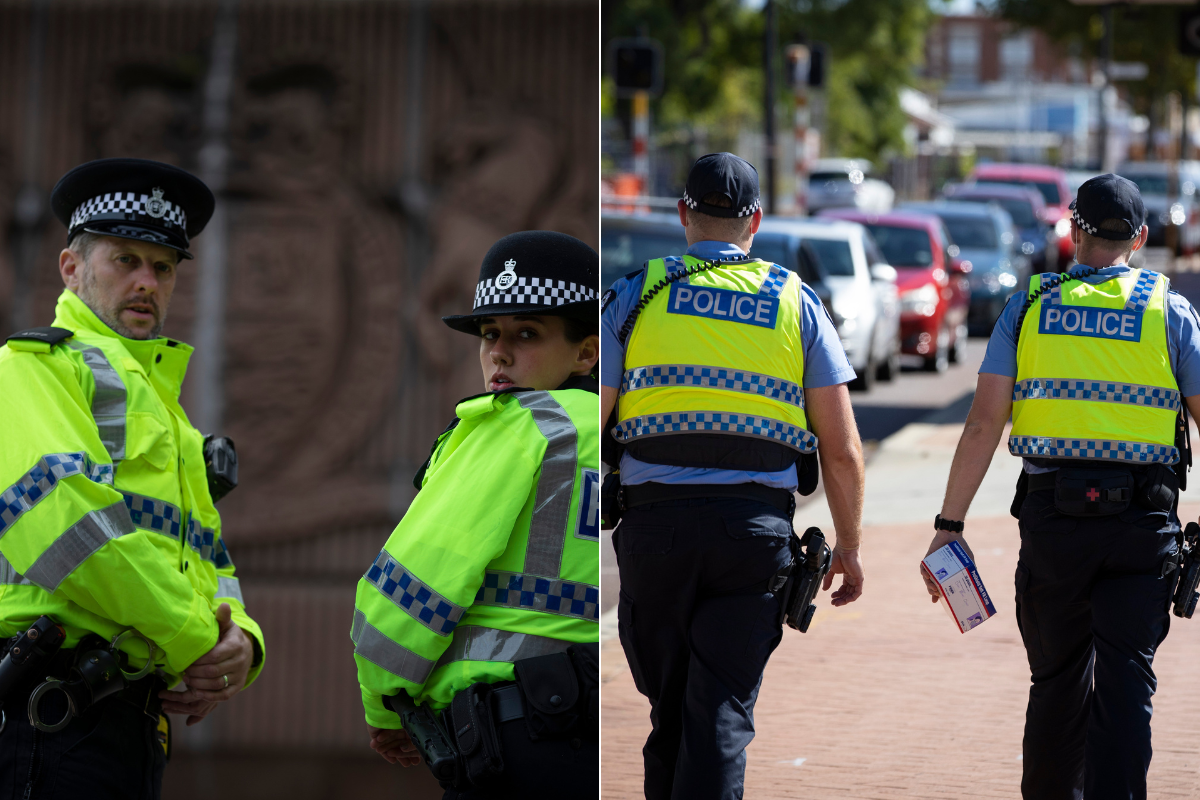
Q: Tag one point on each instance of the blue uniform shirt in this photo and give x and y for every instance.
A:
(1183, 340)
(825, 364)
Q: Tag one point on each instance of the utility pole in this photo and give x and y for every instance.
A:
(797, 56)
(1106, 55)
(769, 102)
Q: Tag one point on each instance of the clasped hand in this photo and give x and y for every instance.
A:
(217, 675)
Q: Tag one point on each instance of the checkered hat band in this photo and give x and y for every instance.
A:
(744, 211)
(538, 593)
(126, 203)
(532, 292)
(413, 595)
(1132, 452)
(1132, 394)
(699, 376)
(716, 422)
(1092, 229)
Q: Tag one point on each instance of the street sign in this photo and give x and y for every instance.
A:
(1189, 32)
(1127, 71)
(636, 65)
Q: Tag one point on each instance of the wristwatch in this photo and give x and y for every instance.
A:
(940, 523)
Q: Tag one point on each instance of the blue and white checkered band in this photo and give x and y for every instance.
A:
(202, 540)
(153, 514)
(1143, 290)
(118, 205)
(1051, 447)
(774, 281)
(410, 593)
(1092, 229)
(1132, 394)
(718, 422)
(734, 380)
(514, 590)
(42, 479)
(532, 292)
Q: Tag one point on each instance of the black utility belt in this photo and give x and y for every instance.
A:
(645, 493)
(1097, 491)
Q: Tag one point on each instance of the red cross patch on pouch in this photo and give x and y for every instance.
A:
(1093, 494)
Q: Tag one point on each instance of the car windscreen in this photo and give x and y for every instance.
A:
(972, 233)
(1048, 190)
(773, 248)
(821, 177)
(1149, 184)
(903, 247)
(1021, 211)
(834, 255)
(623, 250)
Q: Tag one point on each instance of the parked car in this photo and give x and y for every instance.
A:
(796, 256)
(1051, 183)
(863, 304)
(846, 183)
(1179, 209)
(628, 241)
(984, 235)
(934, 290)
(1038, 240)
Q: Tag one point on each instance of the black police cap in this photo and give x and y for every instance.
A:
(132, 198)
(535, 272)
(722, 173)
(1106, 197)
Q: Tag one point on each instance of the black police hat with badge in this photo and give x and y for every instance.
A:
(133, 198)
(535, 273)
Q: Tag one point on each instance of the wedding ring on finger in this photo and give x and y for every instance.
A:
(226, 677)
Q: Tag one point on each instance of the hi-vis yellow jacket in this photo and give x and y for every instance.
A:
(496, 560)
(106, 522)
(1094, 377)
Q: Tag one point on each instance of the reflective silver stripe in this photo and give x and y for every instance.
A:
(153, 514)
(476, 643)
(108, 404)
(386, 654)
(77, 543)
(230, 587)
(514, 590)
(410, 593)
(1134, 394)
(1053, 447)
(720, 421)
(734, 380)
(552, 505)
(9, 575)
(32, 487)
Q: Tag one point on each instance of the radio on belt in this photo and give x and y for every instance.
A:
(963, 594)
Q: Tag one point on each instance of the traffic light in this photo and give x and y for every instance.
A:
(816, 65)
(636, 66)
(1189, 32)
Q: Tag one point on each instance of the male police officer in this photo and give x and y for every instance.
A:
(484, 602)
(1094, 368)
(107, 523)
(714, 418)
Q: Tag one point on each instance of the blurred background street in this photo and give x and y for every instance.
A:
(365, 154)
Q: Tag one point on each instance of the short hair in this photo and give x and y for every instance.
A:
(576, 329)
(1109, 245)
(727, 229)
(83, 243)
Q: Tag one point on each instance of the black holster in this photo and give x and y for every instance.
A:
(612, 505)
(1021, 494)
(474, 725)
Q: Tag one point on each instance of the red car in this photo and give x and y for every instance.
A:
(1051, 183)
(932, 281)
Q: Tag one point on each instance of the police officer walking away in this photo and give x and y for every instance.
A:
(1094, 367)
(110, 544)
(731, 379)
(483, 605)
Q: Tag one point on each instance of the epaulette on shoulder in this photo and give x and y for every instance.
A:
(38, 339)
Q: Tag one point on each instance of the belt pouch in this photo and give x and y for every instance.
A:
(586, 658)
(1019, 497)
(1157, 488)
(551, 695)
(475, 732)
(1092, 492)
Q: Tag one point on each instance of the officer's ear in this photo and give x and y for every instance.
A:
(756, 221)
(70, 265)
(586, 355)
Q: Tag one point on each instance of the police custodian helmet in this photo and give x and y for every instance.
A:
(132, 198)
(535, 272)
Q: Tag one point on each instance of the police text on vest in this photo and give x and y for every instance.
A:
(1101, 323)
(726, 304)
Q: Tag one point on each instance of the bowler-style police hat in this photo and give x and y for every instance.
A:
(535, 272)
(132, 198)
(722, 173)
(1106, 197)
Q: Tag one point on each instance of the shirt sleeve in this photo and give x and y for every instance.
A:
(1184, 333)
(1001, 355)
(618, 302)
(435, 561)
(825, 362)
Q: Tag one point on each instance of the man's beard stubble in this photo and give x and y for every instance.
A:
(110, 315)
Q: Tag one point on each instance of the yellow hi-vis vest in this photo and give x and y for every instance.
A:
(1094, 376)
(713, 369)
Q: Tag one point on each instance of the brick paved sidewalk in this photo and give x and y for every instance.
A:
(884, 698)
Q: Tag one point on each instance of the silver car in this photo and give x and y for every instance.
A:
(847, 183)
(1179, 210)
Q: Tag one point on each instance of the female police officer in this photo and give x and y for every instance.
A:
(486, 597)
(1093, 368)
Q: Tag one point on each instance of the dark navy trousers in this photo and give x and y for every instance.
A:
(698, 622)
(1092, 606)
